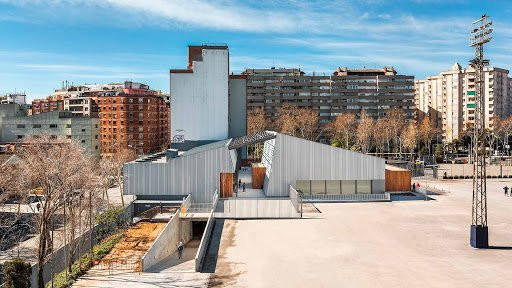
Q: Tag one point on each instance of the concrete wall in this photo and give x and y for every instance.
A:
(197, 174)
(466, 170)
(199, 102)
(167, 241)
(247, 208)
(237, 107)
(289, 159)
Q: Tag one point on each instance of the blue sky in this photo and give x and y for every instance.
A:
(44, 42)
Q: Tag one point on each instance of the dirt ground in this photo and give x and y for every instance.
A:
(137, 241)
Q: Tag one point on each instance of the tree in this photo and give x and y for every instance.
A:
(256, 121)
(113, 166)
(299, 122)
(410, 137)
(342, 129)
(381, 134)
(364, 132)
(503, 129)
(396, 121)
(427, 132)
(58, 166)
(17, 273)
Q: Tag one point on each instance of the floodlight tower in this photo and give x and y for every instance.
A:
(480, 34)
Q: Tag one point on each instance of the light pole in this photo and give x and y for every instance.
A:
(480, 34)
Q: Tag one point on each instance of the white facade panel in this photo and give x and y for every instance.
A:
(199, 100)
(298, 159)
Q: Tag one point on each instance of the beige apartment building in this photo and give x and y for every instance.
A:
(449, 99)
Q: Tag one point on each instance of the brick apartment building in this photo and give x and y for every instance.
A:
(134, 117)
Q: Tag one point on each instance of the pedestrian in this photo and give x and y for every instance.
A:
(243, 187)
(239, 183)
(506, 191)
(38, 206)
(413, 187)
(180, 250)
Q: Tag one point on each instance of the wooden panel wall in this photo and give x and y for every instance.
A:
(398, 180)
(258, 176)
(226, 185)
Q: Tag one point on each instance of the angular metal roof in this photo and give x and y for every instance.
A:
(251, 139)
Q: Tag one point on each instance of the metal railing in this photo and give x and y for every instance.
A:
(346, 198)
(118, 264)
(185, 205)
(200, 208)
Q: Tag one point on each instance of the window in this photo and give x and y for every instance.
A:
(20, 136)
(83, 141)
(95, 136)
(21, 126)
(55, 126)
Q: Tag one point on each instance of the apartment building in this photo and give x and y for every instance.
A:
(82, 106)
(201, 92)
(134, 117)
(346, 90)
(14, 98)
(14, 128)
(448, 99)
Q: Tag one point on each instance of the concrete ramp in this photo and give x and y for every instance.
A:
(212, 252)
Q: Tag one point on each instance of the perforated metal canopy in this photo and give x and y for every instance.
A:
(259, 137)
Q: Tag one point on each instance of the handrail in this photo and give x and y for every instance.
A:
(348, 197)
(205, 239)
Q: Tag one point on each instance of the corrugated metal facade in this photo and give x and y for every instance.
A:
(197, 174)
(298, 159)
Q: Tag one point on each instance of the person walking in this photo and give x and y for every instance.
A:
(180, 250)
(239, 183)
(413, 187)
(506, 191)
(243, 187)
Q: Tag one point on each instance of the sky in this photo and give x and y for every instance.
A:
(45, 42)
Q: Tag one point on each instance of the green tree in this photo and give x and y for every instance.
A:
(439, 153)
(17, 273)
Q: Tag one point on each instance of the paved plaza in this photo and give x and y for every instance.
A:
(396, 244)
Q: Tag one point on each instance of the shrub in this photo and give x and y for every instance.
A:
(17, 273)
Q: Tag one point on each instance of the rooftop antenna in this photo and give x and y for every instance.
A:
(480, 34)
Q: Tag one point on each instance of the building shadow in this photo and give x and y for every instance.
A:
(212, 253)
(500, 247)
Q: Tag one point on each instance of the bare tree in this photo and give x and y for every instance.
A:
(503, 129)
(299, 122)
(410, 137)
(427, 132)
(57, 166)
(256, 121)
(364, 132)
(396, 121)
(381, 134)
(343, 127)
(113, 166)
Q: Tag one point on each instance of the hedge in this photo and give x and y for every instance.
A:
(17, 273)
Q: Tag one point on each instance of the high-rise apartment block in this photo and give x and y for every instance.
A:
(448, 99)
(14, 98)
(346, 90)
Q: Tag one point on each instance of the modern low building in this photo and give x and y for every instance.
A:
(311, 167)
(85, 130)
(449, 99)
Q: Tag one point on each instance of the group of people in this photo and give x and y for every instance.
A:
(241, 184)
(506, 189)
